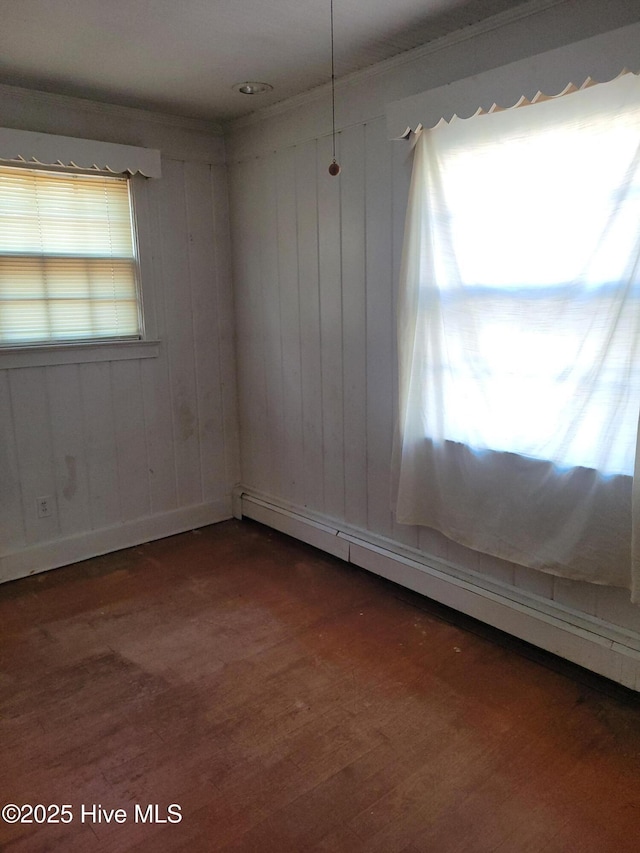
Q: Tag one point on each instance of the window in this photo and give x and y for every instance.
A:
(535, 267)
(519, 333)
(68, 259)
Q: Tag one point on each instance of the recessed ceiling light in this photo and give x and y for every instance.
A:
(252, 88)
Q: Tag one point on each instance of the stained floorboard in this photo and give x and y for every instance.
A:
(289, 702)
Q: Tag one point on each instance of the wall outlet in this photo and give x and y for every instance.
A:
(44, 506)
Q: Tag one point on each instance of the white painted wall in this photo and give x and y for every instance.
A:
(136, 449)
(315, 270)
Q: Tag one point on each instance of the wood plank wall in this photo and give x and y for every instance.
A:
(316, 266)
(118, 441)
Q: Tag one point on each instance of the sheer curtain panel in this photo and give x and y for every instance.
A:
(519, 331)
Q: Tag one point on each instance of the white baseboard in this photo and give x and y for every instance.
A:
(582, 639)
(72, 549)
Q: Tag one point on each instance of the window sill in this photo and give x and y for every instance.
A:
(46, 356)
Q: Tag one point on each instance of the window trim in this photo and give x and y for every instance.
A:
(85, 351)
(44, 355)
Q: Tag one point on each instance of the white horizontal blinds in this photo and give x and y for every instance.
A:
(67, 258)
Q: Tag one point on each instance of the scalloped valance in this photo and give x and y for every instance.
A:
(46, 149)
(599, 59)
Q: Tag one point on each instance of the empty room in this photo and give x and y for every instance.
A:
(319, 404)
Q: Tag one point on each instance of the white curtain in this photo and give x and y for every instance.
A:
(519, 334)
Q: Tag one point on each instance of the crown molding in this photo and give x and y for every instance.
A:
(495, 22)
(116, 110)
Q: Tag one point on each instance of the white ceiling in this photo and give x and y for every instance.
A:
(183, 56)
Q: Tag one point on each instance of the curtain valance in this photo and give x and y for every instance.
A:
(601, 58)
(48, 149)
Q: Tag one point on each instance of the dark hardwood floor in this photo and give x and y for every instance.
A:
(289, 702)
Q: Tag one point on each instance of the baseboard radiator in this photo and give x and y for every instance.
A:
(606, 649)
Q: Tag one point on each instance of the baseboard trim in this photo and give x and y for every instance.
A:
(72, 549)
(587, 641)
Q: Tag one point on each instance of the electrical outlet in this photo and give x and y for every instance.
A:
(44, 506)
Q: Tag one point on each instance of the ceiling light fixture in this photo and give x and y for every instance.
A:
(334, 168)
(252, 88)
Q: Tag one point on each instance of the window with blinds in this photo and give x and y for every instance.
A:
(68, 266)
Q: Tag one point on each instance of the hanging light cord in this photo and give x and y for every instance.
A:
(334, 168)
(333, 87)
